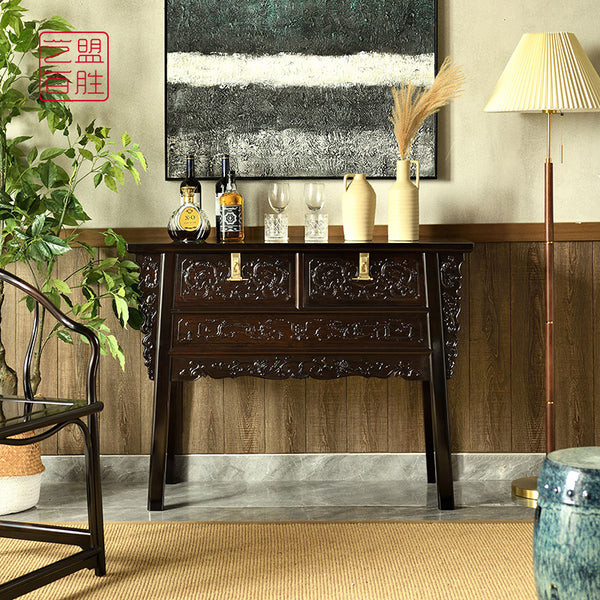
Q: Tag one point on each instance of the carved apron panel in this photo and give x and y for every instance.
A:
(285, 367)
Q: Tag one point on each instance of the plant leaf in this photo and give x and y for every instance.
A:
(51, 153)
(110, 183)
(135, 318)
(61, 286)
(107, 263)
(118, 174)
(30, 303)
(32, 155)
(121, 310)
(110, 282)
(48, 172)
(56, 23)
(64, 336)
(86, 154)
(140, 157)
(129, 264)
(56, 245)
(38, 225)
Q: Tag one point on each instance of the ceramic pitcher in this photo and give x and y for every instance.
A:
(358, 208)
(403, 204)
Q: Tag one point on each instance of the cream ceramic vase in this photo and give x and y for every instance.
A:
(403, 205)
(358, 209)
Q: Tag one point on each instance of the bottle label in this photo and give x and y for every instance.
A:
(189, 218)
(231, 218)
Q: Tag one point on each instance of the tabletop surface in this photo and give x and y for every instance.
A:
(298, 245)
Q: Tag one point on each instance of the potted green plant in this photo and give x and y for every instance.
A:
(40, 211)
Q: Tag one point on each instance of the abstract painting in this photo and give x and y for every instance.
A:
(294, 88)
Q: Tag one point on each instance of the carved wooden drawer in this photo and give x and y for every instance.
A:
(234, 279)
(297, 332)
(356, 279)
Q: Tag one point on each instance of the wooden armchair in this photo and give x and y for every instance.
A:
(46, 417)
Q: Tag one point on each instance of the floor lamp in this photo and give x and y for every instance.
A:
(547, 73)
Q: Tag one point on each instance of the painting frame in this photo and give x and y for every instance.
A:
(274, 129)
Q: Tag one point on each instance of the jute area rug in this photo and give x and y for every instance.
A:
(297, 561)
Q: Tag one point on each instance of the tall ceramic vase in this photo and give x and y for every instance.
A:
(403, 204)
(358, 209)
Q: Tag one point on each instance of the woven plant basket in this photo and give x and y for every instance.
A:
(21, 471)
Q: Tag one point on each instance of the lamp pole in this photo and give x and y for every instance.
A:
(549, 293)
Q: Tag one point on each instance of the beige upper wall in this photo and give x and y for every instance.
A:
(491, 165)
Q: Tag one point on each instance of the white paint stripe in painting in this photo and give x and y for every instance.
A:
(284, 70)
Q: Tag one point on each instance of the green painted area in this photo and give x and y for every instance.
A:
(311, 26)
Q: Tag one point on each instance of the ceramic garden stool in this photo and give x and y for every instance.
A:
(566, 538)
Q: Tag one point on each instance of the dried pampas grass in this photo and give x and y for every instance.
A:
(413, 105)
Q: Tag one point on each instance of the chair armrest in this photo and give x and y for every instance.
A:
(64, 320)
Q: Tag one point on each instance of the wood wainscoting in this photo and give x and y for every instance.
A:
(496, 395)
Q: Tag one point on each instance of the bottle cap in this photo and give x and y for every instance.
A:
(188, 191)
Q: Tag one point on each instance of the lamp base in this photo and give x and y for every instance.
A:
(524, 491)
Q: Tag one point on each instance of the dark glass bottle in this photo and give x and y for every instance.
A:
(189, 222)
(232, 212)
(191, 181)
(219, 191)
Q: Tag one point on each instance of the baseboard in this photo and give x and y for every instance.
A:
(300, 467)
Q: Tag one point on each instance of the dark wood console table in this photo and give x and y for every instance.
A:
(301, 310)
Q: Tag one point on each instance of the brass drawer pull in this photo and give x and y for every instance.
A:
(363, 268)
(236, 267)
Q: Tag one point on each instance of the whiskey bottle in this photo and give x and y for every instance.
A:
(191, 181)
(232, 212)
(189, 222)
(219, 191)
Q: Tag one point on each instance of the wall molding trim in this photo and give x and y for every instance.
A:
(474, 232)
(252, 468)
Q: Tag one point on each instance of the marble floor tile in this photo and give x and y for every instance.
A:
(282, 501)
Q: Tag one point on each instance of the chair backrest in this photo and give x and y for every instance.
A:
(41, 300)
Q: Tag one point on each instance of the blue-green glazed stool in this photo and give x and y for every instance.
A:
(566, 535)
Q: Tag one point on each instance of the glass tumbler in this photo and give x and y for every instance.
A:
(316, 223)
(316, 226)
(276, 227)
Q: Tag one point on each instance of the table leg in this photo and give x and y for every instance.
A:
(162, 389)
(439, 401)
(441, 435)
(175, 429)
(427, 421)
(160, 431)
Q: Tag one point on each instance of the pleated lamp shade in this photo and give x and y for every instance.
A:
(547, 72)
